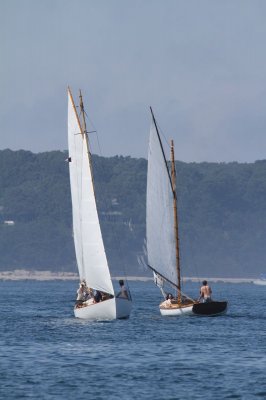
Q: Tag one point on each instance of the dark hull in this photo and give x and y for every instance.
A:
(211, 308)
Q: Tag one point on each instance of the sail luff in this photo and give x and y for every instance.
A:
(161, 145)
(74, 108)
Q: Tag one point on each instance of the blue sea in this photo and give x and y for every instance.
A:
(48, 354)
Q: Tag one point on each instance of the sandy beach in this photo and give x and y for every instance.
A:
(21, 274)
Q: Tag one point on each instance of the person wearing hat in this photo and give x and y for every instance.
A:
(205, 292)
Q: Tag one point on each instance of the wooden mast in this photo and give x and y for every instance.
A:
(84, 132)
(173, 178)
(84, 128)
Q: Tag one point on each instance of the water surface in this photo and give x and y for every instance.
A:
(48, 354)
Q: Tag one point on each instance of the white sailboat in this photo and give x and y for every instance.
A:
(89, 247)
(162, 232)
(261, 280)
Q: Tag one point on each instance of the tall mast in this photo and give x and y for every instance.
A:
(84, 128)
(84, 132)
(173, 178)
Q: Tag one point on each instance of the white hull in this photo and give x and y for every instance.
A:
(260, 282)
(123, 307)
(116, 308)
(178, 311)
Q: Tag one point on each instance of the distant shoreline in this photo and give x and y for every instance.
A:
(19, 274)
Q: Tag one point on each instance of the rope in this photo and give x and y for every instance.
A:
(104, 200)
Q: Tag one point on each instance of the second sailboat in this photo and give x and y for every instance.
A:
(162, 232)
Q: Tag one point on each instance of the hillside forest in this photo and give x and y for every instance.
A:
(221, 206)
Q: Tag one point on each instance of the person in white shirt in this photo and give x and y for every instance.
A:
(81, 292)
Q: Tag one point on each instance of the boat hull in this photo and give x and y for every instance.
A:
(260, 282)
(207, 309)
(176, 311)
(210, 308)
(116, 308)
(123, 307)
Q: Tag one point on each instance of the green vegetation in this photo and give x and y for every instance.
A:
(222, 214)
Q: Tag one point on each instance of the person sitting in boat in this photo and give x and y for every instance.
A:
(89, 293)
(97, 296)
(81, 292)
(168, 300)
(123, 290)
(205, 292)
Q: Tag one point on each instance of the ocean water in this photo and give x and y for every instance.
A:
(48, 354)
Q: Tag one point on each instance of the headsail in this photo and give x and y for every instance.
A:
(160, 213)
(89, 247)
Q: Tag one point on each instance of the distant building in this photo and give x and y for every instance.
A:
(114, 202)
(111, 213)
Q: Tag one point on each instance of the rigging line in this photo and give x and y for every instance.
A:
(99, 145)
(168, 280)
(110, 220)
(104, 202)
(164, 136)
(158, 273)
(86, 144)
(161, 145)
(94, 131)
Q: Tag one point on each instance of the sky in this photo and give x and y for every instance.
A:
(200, 64)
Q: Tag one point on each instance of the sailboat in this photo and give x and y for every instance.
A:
(261, 280)
(162, 236)
(89, 246)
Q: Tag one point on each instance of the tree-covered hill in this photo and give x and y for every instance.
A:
(222, 214)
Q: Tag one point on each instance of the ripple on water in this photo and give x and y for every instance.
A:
(46, 353)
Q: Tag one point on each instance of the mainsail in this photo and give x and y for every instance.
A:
(89, 247)
(160, 230)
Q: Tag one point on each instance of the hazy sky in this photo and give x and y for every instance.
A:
(201, 65)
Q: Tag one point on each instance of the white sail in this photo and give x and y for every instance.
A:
(89, 247)
(160, 212)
